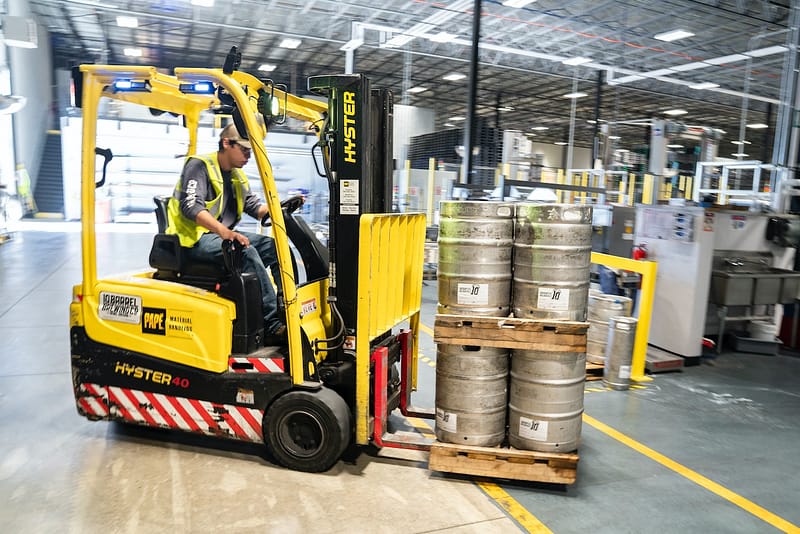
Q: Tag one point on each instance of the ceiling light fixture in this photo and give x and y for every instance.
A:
(673, 35)
(132, 52)
(449, 125)
(458, 118)
(517, 3)
(203, 3)
(739, 154)
(760, 52)
(290, 43)
(574, 61)
(724, 60)
(417, 89)
(575, 95)
(740, 142)
(540, 128)
(614, 137)
(560, 143)
(442, 37)
(267, 67)
(758, 126)
(704, 85)
(675, 112)
(398, 40)
(505, 108)
(127, 22)
(454, 77)
(674, 146)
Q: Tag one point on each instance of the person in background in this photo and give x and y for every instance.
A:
(205, 208)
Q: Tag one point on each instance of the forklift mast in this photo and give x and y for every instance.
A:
(358, 138)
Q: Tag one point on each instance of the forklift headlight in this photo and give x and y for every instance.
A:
(197, 88)
(131, 86)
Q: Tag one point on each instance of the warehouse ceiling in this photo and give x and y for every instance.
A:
(629, 76)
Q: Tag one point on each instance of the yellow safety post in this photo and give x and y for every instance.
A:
(668, 191)
(648, 271)
(560, 181)
(690, 195)
(431, 185)
(621, 198)
(682, 183)
(647, 189)
(631, 189)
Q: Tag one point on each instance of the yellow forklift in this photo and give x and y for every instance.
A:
(182, 346)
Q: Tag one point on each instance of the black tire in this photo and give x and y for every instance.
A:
(308, 430)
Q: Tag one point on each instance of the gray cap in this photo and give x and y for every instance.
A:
(232, 134)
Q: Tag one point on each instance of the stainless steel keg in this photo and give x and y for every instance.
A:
(601, 308)
(619, 352)
(471, 394)
(546, 400)
(552, 255)
(475, 250)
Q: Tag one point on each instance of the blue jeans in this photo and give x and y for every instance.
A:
(259, 256)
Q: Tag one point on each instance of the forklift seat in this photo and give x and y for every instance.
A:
(172, 263)
(170, 260)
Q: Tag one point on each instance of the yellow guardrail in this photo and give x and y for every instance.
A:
(390, 250)
(648, 271)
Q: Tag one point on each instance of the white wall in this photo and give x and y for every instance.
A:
(31, 77)
(555, 156)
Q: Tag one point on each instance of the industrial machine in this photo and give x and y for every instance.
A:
(715, 267)
(182, 346)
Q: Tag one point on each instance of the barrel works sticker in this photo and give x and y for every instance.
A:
(120, 308)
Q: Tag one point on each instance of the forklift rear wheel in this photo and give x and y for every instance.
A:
(308, 430)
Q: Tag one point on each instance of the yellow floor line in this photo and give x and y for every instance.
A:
(761, 513)
(533, 525)
(426, 329)
(527, 520)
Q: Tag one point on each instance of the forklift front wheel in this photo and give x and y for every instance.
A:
(308, 430)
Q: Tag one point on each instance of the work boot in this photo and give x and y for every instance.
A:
(278, 338)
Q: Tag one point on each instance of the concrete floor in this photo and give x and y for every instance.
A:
(710, 449)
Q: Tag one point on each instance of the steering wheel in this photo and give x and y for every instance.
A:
(289, 206)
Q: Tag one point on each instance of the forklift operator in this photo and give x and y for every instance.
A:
(209, 200)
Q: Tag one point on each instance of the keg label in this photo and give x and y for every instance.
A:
(624, 371)
(445, 420)
(553, 298)
(473, 294)
(532, 429)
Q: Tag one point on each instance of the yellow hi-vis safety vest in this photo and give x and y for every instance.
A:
(188, 231)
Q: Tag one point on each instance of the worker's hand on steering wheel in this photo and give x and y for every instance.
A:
(289, 206)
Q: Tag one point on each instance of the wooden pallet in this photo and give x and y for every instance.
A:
(504, 462)
(594, 371)
(511, 333)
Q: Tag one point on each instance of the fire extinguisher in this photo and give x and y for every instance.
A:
(640, 252)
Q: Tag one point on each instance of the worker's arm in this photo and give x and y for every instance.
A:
(206, 220)
(194, 189)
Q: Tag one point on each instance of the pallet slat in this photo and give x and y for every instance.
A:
(503, 462)
(511, 333)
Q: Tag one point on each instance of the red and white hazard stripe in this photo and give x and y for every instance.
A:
(156, 409)
(91, 400)
(256, 365)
